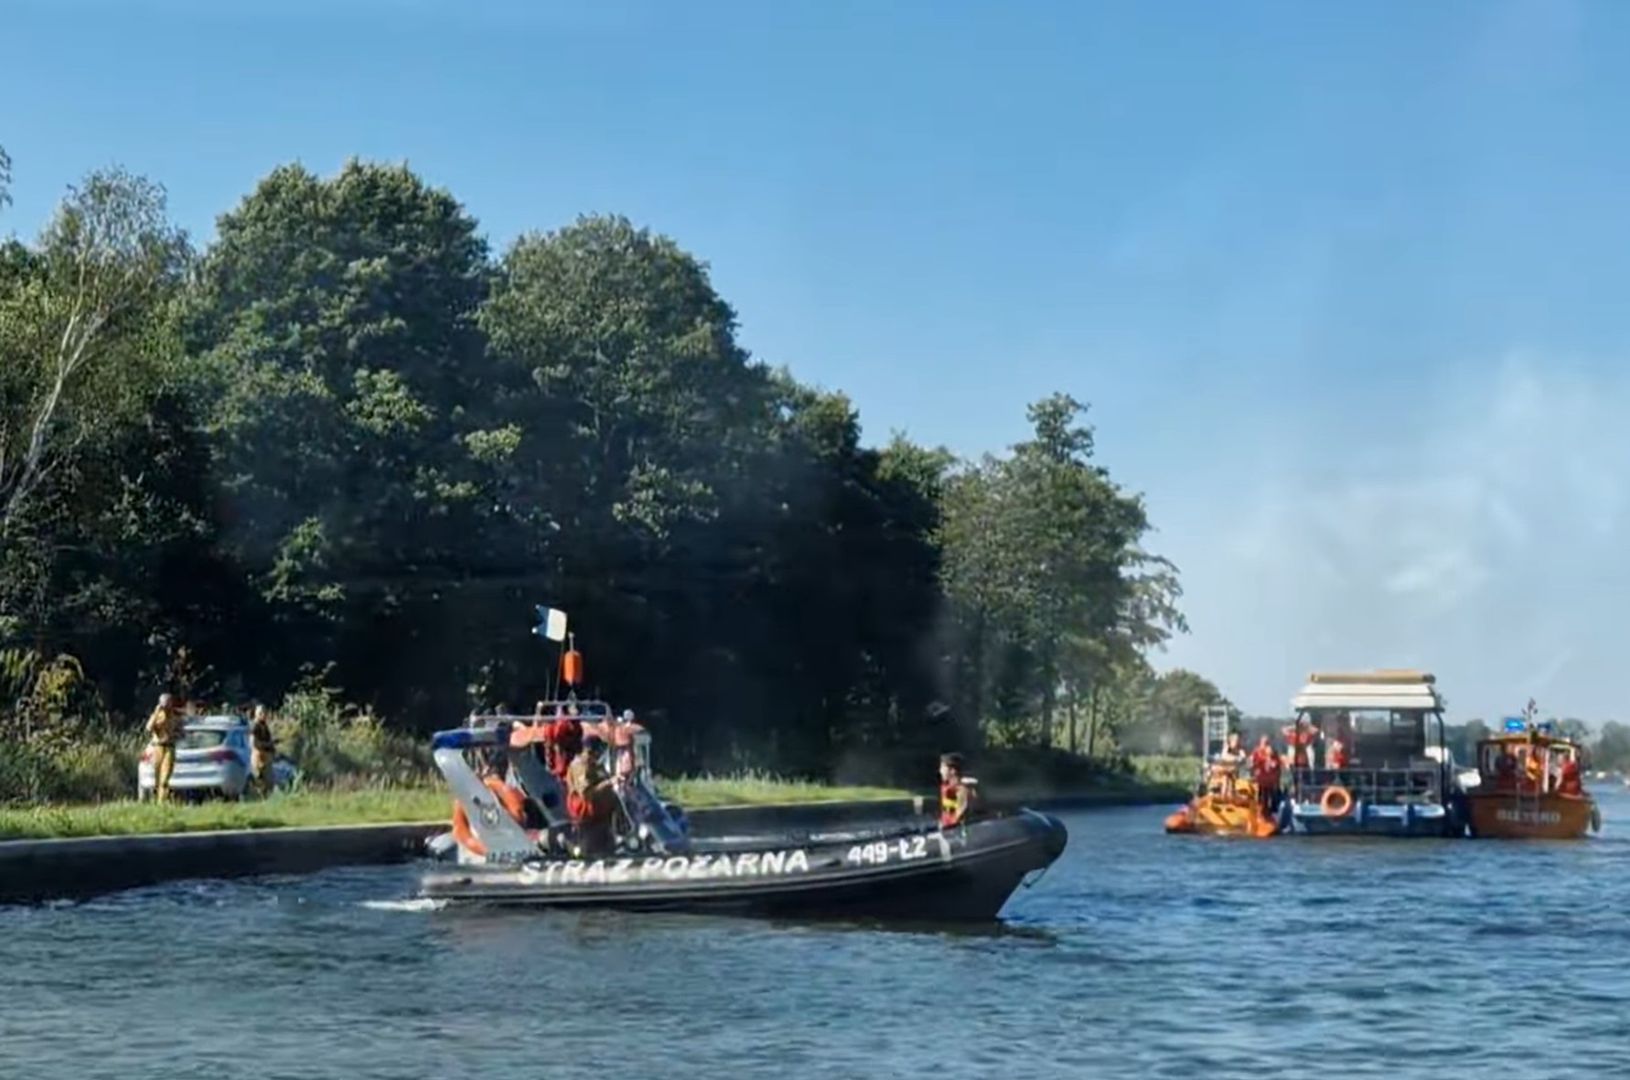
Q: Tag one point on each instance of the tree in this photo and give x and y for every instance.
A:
(81, 327)
(1612, 749)
(1168, 721)
(1044, 567)
(336, 323)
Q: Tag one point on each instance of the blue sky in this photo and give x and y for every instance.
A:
(1344, 283)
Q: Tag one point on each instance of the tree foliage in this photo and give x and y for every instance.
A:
(351, 448)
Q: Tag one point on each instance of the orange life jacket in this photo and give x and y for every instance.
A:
(950, 811)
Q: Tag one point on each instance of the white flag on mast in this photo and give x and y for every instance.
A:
(551, 623)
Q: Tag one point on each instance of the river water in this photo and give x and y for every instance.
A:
(1137, 955)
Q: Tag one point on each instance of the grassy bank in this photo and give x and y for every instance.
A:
(363, 806)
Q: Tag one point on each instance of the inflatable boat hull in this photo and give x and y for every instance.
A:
(955, 875)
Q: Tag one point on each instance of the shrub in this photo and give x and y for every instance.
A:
(337, 746)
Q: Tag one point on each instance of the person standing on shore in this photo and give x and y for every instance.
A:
(164, 727)
(262, 750)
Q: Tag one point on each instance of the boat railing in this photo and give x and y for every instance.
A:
(1376, 786)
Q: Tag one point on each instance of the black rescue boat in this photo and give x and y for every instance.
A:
(515, 847)
(965, 873)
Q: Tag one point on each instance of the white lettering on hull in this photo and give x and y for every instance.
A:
(747, 864)
(1529, 817)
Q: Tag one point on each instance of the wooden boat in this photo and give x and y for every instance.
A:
(1529, 786)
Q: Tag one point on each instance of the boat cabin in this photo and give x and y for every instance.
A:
(1526, 757)
(1389, 728)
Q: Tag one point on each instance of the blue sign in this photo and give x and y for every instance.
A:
(1514, 723)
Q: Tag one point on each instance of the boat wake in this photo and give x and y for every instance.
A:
(417, 903)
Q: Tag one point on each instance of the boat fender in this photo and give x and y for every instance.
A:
(1596, 819)
(1337, 801)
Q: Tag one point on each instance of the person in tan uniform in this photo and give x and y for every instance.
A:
(164, 727)
(262, 749)
(590, 801)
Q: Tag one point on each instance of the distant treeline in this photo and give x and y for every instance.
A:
(345, 446)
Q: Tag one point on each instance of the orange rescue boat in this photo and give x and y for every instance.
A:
(1227, 803)
(1220, 812)
(1529, 787)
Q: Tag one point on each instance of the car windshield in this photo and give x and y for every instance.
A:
(201, 738)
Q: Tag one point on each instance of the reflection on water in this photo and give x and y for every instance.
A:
(1138, 955)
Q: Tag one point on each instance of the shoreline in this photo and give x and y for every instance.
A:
(38, 870)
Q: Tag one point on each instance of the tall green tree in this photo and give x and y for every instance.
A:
(107, 505)
(1044, 564)
(336, 321)
(82, 327)
(1168, 721)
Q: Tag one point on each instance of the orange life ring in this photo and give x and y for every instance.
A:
(1336, 802)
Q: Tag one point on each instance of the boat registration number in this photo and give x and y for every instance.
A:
(878, 852)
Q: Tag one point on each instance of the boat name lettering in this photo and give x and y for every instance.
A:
(1530, 817)
(673, 868)
(879, 852)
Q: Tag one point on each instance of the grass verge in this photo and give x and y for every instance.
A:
(363, 806)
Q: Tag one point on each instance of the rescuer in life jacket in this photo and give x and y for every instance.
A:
(1265, 766)
(563, 738)
(1300, 738)
(956, 792)
(590, 801)
(1570, 783)
(1533, 770)
(1335, 752)
(1226, 765)
(1505, 770)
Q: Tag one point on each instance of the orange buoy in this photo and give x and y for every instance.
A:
(1337, 801)
(571, 667)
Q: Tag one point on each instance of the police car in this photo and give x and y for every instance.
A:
(211, 760)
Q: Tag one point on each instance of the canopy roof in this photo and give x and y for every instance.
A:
(1389, 690)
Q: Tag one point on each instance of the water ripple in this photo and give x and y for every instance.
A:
(1137, 956)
